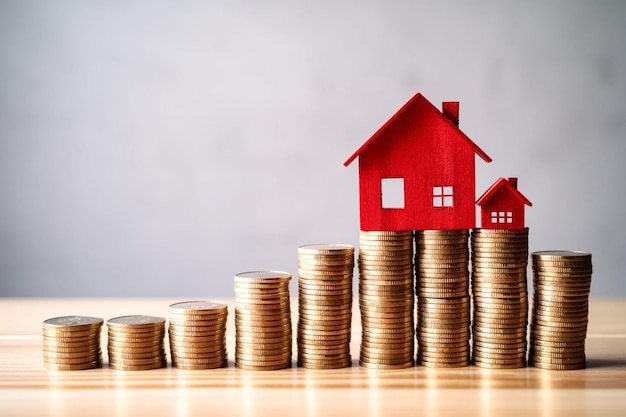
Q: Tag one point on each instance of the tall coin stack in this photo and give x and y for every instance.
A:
(72, 343)
(386, 299)
(263, 335)
(197, 333)
(325, 305)
(442, 286)
(136, 343)
(500, 295)
(562, 281)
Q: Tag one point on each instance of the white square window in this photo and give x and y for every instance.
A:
(443, 196)
(392, 192)
(501, 217)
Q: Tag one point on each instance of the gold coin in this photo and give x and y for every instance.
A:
(126, 357)
(336, 347)
(560, 367)
(305, 317)
(331, 248)
(499, 352)
(196, 328)
(480, 364)
(73, 367)
(262, 367)
(374, 365)
(186, 350)
(157, 361)
(400, 361)
(261, 293)
(460, 330)
(264, 321)
(72, 323)
(135, 337)
(403, 307)
(71, 359)
(199, 356)
(559, 360)
(62, 350)
(318, 324)
(198, 307)
(345, 364)
(279, 360)
(557, 333)
(67, 333)
(263, 276)
(138, 323)
(192, 367)
(53, 344)
(314, 276)
(513, 334)
(314, 285)
(444, 362)
(125, 367)
(435, 293)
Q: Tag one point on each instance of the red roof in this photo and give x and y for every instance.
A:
(417, 98)
(502, 182)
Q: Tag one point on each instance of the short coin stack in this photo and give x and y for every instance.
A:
(136, 343)
(325, 305)
(442, 287)
(263, 334)
(72, 343)
(197, 333)
(386, 299)
(562, 281)
(500, 296)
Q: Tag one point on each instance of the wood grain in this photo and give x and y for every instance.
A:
(26, 388)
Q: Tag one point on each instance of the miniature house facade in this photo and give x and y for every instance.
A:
(417, 172)
(502, 206)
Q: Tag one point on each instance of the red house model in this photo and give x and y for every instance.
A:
(417, 172)
(502, 206)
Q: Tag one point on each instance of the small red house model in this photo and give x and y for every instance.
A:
(502, 206)
(417, 172)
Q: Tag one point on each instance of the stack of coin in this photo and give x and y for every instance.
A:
(325, 305)
(263, 336)
(136, 343)
(386, 299)
(562, 281)
(442, 286)
(500, 295)
(72, 343)
(197, 332)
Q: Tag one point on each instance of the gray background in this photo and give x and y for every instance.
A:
(157, 148)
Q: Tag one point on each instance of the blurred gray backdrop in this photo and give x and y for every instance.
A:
(157, 148)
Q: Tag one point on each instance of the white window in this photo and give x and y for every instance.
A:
(392, 192)
(443, 196)
(501, 217)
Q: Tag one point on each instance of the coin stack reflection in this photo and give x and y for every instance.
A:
(136, 343)
(562, 282)
(72, 343)
(325, 305)
(386, 299)
(263, 334)
(442, 286)
(197, 333)
(500, 296)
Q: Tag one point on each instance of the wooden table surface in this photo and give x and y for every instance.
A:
(26, 388)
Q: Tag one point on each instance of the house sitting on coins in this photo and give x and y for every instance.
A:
(418, 172)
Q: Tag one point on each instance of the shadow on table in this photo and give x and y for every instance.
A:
(605, 363)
